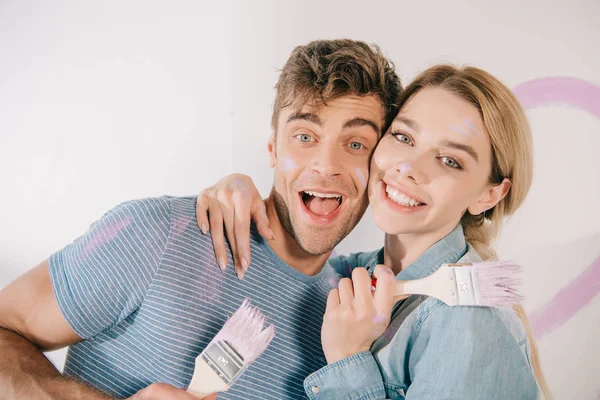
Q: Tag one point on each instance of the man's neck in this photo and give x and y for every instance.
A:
(286, 247)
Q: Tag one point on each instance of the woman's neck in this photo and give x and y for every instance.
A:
(402, 250)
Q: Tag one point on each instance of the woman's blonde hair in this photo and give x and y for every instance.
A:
(512, 158)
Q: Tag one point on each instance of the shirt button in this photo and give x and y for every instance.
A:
(315, 389)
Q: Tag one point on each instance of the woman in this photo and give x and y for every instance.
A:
(456, 160)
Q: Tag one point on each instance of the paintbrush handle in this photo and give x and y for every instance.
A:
(417, 286)
(205, 380)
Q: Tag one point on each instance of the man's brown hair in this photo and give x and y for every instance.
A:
(324, 70)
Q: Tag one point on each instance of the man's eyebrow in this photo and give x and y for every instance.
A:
(307, 116)
(362, 122)
(412, 124)
(464, 147)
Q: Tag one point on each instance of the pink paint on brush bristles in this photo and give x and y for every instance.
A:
(245, 331)
(498, 282)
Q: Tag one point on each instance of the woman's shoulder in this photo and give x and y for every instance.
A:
(471, 323)
(344, 264)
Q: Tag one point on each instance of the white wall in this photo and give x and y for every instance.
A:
(101, 102)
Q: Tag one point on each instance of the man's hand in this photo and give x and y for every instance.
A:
(162, 391)
(356, 316)
(233, 202)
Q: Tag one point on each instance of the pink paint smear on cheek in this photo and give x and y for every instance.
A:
(405, 168)
(106, 234)
(361, 176)
(288, 164)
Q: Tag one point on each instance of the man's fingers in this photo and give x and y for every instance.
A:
(216, 228)
(201, 212)
(383, 297)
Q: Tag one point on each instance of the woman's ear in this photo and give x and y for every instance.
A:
(490, 197)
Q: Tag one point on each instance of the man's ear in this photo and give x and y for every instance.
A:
(490, 197)
(272, 151)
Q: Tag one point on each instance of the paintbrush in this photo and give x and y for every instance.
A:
(241, 340)
(489, 283)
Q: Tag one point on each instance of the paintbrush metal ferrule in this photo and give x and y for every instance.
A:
(464, 287)
(224, 361)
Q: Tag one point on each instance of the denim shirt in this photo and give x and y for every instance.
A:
(431, 350)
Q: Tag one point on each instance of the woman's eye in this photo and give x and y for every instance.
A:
(356, 146)
(401, 137)
(450, 162)
(303, 137)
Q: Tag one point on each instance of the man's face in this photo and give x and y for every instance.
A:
(321, 157)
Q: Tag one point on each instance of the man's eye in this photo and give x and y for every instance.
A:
(303, 137)
(356, 146)
(402, 138)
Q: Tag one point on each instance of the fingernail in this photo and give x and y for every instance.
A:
(245, 263)
(222, 263)
(240, 272)
(271, 232)
(203, 228)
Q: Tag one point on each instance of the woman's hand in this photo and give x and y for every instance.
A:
(232, 202)
(356, 316)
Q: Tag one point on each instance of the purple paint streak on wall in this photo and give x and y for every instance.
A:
(106, 234)
(577, 294)
(567, 302)
(560, 90)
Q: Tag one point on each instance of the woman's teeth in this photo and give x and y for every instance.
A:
(400, 198)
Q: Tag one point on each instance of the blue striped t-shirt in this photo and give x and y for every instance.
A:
(143, 290)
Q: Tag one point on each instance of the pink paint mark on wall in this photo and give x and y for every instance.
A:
(106, 234)
(567, 302)
(577, 294)
(560, 90)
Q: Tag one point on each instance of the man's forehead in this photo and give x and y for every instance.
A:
(352, 107)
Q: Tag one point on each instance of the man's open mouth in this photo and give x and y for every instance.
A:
(320, 203)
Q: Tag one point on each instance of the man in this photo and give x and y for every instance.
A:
(137, 297)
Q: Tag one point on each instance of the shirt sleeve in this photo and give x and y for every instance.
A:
(102, 277)
(354, 377)
(468, 353)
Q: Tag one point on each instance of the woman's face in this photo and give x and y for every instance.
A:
(431, 166)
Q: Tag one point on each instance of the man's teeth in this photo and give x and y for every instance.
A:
(400, 198)
(325, 195)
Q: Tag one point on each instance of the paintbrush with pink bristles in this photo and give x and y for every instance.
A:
(241, 340)
(488, 283)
